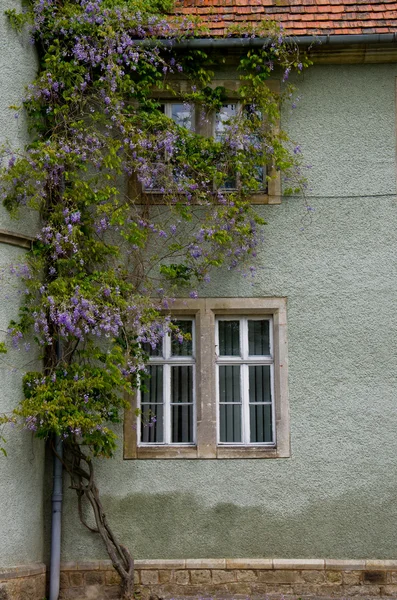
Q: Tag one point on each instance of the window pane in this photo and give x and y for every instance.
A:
(157, 351)
(182, 423)
(156, 180)
(229, 383)
(261, 423)
(184, 348)
(152, 423)
(153, 385)
(182, 114)
(152, 406)
(182, 384)
(227, 112)
(229, 338)
(258, 338)
(260, 176)
(230, 183)
(259, 384)
(230, 423)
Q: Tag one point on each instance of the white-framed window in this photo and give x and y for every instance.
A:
(167, 400)
(223, 392)
(184, 115)
(245, 380)
(223, 117)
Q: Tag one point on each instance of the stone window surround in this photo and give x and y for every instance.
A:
(205, 310)
(273, 194)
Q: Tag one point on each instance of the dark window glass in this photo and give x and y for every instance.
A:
(182, 423)
(184, 348)
(229, 383)
(259, 384)
(152, 406)
(157, 351)
(259, 338)
(182, 384)
(261, 423)
(229, 338)
(230, 423)
(152, 423)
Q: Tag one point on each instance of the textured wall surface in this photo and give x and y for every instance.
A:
(21, 474)
(336, 495)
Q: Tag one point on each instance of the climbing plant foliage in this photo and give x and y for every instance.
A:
(134, 207)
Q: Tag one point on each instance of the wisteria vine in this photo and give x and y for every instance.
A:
(135, 207)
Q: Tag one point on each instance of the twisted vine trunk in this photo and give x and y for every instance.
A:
(81, 471)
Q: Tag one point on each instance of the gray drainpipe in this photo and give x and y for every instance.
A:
(301, 40)
(55, 561)
(56, 502)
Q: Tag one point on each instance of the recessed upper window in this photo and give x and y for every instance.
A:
(184, 115)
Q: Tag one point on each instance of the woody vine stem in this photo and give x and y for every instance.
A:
(107, 260)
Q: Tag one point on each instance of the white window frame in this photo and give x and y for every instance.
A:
(205, 312)
(245, 361)
(167, 361)
(239, 109)
(168, 113)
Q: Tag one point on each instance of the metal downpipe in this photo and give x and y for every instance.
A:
(55, 560)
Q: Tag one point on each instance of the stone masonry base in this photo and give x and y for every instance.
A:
(23, 583)
(236, 579)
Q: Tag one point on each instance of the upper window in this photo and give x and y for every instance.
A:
(220, 390)
(222, 119)
(184, 115)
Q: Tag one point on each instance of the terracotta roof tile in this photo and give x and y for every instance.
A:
(299, 17)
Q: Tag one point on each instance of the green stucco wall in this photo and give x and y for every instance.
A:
(21, 473)
(336, 495)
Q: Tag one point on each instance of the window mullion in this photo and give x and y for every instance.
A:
(245, 382)
(244, 338)
(245, 404)
(167, 403)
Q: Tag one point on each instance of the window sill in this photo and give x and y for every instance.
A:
(247, 452)
(157, 199)
(192, 452)
(149, 452)
(140, 197)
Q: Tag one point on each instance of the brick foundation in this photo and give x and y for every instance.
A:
(234, 578)
(26, 582)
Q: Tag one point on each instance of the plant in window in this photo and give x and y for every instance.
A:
(104, 267)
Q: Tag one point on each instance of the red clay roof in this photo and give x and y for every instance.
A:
(299, 17)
